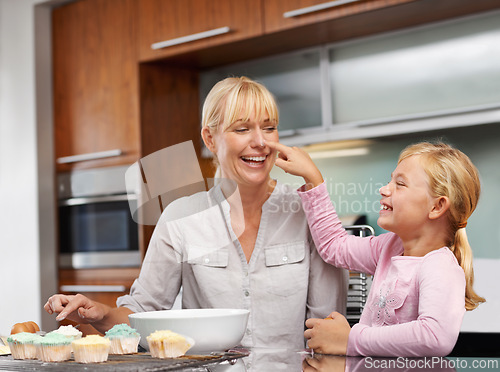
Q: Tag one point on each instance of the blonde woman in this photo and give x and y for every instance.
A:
(422, 268)
(243, 244)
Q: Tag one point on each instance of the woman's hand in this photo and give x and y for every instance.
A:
(329, 335)
(77, 308)
(297, 162)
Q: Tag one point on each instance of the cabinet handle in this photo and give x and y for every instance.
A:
(189, 38)
(89, 156)
(316, 8)
(93, 288)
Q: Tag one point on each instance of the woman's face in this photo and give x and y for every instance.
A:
(242, 153)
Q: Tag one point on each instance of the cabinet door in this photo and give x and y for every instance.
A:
(286, 14)
(180, 26)
(95, 83)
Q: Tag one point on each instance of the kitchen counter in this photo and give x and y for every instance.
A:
(242, 360)
(136, 362)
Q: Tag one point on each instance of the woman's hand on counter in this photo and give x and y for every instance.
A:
(329, 335)
(81, 309)
(77, 308)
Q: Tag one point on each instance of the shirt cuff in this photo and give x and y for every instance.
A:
(312, 192)
(352, 344)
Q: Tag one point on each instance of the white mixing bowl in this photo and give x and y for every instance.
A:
(211, 329)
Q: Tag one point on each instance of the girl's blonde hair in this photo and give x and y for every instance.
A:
(452, 174)
(237, 98)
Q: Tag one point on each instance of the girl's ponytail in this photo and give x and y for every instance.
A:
(463, 253)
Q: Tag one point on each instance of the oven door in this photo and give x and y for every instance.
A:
(98, 232)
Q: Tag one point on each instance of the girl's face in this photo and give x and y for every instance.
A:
(406, 202)
(242, 153)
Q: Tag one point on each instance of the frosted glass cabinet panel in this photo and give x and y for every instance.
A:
(294, 80)
(447, 67)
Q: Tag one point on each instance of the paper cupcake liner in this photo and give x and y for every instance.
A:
(168, 349)
(53, 353)
(124, 345)
(22, 351)
(90, 353)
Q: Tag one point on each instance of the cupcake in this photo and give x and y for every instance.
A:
(168, 344)
(124, 339)
(69, 331)
(91, 349)
(54, 347)
(22, 345)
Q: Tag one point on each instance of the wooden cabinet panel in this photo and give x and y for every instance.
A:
(161, 20)
(95, 81)
(280, 14)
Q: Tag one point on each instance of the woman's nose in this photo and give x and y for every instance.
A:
(258, 139)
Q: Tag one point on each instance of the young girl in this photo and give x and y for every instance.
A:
(422, 269)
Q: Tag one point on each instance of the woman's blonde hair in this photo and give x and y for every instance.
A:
(237, 98)
(452, 174)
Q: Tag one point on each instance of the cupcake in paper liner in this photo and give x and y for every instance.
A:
(168, 344)
(123, 338)
(69, 331)
(91, 349)
(22, 345)
(53, 347)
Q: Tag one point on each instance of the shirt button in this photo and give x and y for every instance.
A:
(285, 258)
(248, 332)
(207, 260)
(247, 293)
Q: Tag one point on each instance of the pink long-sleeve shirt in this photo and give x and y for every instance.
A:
(416, 304)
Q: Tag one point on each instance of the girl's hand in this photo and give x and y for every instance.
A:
(329, 335)
(297, 162)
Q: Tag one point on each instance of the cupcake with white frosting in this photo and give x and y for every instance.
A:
(69, 331)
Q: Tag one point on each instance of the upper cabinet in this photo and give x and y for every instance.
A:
(286, 14)
(168, 27)
(96, 107)
(425, 78)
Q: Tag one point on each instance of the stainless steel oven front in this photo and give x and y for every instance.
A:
(96, 228)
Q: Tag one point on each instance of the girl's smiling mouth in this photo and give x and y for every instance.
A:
(385, 207)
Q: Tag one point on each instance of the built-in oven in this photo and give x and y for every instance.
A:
(96, 228)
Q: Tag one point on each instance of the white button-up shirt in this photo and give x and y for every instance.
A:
(284, 283)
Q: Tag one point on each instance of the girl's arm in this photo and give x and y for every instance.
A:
(333, 243)
(441, 307)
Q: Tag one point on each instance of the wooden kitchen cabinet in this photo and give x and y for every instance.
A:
(286, 14)
(96, 107)
(161, 20)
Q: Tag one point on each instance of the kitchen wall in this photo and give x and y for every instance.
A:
(353, 182)
(27, 242)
